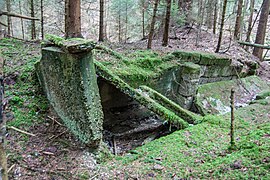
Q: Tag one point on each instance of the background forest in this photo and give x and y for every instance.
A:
(126, 21)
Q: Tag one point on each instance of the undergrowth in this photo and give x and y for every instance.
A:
(25, 103)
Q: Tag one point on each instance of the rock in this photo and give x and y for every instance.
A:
(158, 167)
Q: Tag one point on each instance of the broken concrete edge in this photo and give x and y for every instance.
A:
(220, 91)
(202, 58)
(67, 91)
(189, 116)
(73, 45)
(139, 96)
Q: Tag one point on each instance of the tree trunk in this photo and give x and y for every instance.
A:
(3, 158)
(209, 11)
(152, 27)
(33, 23)
(215, 16)
(8, 18)
(221, 25)
(42, 19)
(73, 19)
(126, 23)
(106, 12)
(143, 17)
(101, 21)
(260, 36)
(250, 20)
(167, 24)
(119, 27)
(238, 20)
(22, 26)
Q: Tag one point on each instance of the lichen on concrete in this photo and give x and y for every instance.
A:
(141, 97)
(70, 82)
(214, 98)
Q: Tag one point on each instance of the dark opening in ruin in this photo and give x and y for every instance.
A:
(127, 124)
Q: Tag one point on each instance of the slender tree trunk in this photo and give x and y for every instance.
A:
(201, 6)
(152, 27)
(8, 17)
(215, 16)
(221, 25)
(119, 26)
(143, 6)
(261, 32)
(42, 19)
(73, 19)
(167, 24)
(126, 30)
(22, 26)
(209, 13)
(105, 21)
(250, 20)
(3, 158)
(101, 21)
(238, 20)
(143, 22)
(33, 23)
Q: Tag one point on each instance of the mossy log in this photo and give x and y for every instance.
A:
(254, 45)
(141, 97)
(181, 112)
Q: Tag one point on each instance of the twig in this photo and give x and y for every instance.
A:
(21, 131)
(11, 168)
(114, 146)
(53, 138)
(53, 119)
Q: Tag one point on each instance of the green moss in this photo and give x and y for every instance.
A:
(263, 95)
(110, 52)
(203, 152)
(26, 103)
(139, 96)
(73, 45)
(183, 113)
(215, 97)
(55, 39)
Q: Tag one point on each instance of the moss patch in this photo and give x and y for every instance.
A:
(201, 152)
(142, 98)
(215, 97)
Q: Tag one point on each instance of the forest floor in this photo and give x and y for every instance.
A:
(201, 151)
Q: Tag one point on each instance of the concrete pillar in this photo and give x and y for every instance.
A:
(68, 76)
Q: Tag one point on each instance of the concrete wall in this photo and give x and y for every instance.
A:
(70, 83)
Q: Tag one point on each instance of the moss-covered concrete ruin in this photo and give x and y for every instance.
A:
(68, 76)
(166, 85)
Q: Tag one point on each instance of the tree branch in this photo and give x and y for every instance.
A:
(3, 24)
(254, 45)
(17, 15)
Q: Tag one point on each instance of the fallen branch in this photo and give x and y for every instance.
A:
(21, 131)
(17, 15)
(54, 120)
(11, 168)
(3, 24)
(254, 45)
